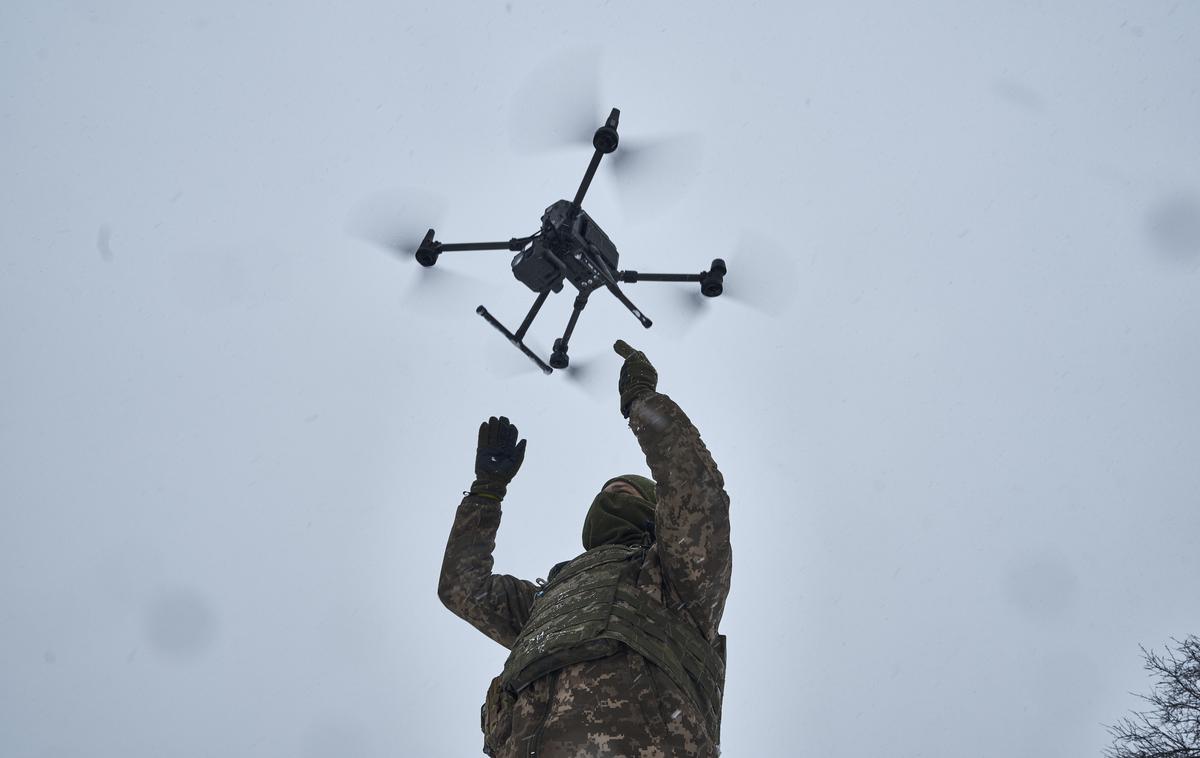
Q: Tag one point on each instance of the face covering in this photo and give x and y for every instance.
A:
(618, 518)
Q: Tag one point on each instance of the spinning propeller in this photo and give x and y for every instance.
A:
(569, 246)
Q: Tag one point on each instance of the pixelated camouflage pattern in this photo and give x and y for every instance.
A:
(592, 607)
(621, 705)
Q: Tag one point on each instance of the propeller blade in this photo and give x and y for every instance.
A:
(653, 173)
(587, 374)
(590, 375)
(558, 105)
(686, 308)
(763, 275)
(441, 291)
(396, 220)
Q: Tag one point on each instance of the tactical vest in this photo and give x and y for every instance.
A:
(592, 607)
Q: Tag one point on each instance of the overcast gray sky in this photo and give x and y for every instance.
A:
(956, 406)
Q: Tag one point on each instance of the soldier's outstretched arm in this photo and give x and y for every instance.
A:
(692, 521)
(495, 604)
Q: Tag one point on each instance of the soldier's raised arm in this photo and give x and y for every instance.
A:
(692, 515)
(495, 604)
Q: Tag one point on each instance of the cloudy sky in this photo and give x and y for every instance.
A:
(952, 387)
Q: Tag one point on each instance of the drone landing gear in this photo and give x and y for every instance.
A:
(558, 356)
(517, 339)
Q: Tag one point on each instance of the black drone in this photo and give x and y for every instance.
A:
(570, 246)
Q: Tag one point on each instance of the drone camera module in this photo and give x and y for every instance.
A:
(534, 268)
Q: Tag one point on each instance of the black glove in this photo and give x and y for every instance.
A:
(497, 458)
(638, 377)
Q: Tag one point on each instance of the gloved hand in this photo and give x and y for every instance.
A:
(498, 457)
(638, 377)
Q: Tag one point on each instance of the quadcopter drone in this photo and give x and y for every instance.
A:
(570, 246)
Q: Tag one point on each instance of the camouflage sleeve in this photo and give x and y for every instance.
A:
(692, 521)
(495, 604)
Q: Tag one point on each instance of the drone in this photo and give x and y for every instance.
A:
(570, 247)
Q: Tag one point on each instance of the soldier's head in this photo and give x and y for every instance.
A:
(622, 513)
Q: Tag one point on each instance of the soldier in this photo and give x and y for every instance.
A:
(617, 653)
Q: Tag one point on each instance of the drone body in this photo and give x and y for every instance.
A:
(570, 247)
(561, 251)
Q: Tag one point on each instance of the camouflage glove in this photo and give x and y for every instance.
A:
(638, 377)
(497, 458)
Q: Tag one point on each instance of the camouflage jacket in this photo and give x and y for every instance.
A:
(621, 705)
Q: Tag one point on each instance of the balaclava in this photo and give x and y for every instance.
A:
(618, 518)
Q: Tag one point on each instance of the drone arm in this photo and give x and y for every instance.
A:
(537, 306)
(514, 244)
(617, 293)
(429, 249)
(610, 281)
(605, 141)
(587, 179)
(712, 282)
(634, 276)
